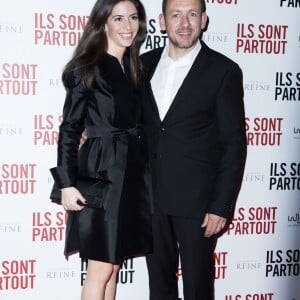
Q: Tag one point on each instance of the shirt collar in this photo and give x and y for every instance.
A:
(184, 60)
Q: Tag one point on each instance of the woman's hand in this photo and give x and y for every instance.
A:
(70, 197)
(82, 139)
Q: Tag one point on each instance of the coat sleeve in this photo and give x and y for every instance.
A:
(70, 131)
(232, 142)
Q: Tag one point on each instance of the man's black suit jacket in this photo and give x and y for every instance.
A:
(197, 152)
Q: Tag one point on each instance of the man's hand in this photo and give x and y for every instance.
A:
(213, 223)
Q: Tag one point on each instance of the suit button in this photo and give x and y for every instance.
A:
(162, 129)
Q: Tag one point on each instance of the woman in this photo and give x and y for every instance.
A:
(102, 99)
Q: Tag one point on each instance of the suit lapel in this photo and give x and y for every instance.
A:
(198, 67)
(195, 71)
(150, 71)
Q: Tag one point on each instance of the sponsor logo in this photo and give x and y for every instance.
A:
(60, 274)
(126, 273)
(48, 226)
(10, 28)
(255, 177)
(290, 3)
(261, 38)
(58, 30)
(18, 79)
(10, 228)
(282, 263)
(296, 133)
(125, 276)
(256, 296)
(294, 220)
(262, 131)
(249, 265)
(287, 86)
(256, 86)
(155, 37)
(220, 264)
(284, 176)
(17, 274)
(17, 178)
(10, 130)
(45, 131)
(215, 37)
(55, 82)
(253, 221)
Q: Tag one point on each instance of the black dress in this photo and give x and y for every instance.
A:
(113, 151)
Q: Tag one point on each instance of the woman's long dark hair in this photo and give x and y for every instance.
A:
(93, 43)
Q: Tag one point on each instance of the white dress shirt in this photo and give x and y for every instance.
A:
(169, 76)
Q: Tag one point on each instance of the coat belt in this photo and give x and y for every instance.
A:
(116, 144)
(106, 131)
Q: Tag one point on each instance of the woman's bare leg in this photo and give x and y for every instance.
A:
(98, 275)
(111, 287)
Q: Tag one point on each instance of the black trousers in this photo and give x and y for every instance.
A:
(175, 237)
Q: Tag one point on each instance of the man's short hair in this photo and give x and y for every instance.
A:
(164, 6)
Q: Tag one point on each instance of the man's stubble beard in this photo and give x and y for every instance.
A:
(177, 44)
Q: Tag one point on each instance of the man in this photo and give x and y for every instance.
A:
(194, 122)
